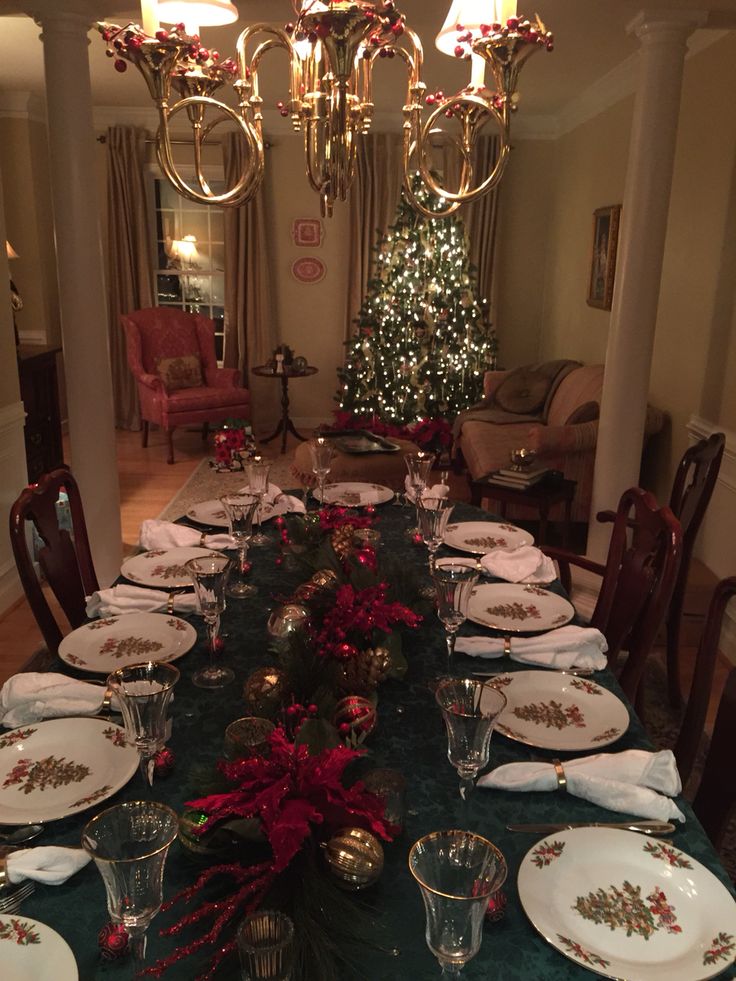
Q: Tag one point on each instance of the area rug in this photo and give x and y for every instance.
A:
(206, 484)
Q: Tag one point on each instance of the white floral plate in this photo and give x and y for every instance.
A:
(518, 608)
(31, 951)
(355, 495)
(480, 537)
(464, 561)
(106, 645)
(558, 711)
(212, 513)
(625, 906)
(51, 769)
(162, 567)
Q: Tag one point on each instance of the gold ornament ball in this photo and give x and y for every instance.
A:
(264, 691)
(355, 858)
(306, 592)
(286, 620)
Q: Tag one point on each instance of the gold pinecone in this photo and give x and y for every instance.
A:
(365, 671)
(342, 540)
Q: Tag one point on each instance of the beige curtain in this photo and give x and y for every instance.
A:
(374, 198)
(250, 313)
(129, 273)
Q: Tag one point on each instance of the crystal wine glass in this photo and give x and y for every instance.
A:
(209, 574)
(129, 843)
(454, 585)
(470, 709)
(266, 946)
(144, 692)
(240, 510)
(258, 470)
(418, 466)
(433, 514)
(457, 872)
(322, 452)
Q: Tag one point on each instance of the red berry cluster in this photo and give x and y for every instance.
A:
(124, 44)
(515, 28)
(294, 716)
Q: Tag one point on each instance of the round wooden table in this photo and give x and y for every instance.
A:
(285, 424)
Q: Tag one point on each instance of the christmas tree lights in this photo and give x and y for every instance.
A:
(422, 341)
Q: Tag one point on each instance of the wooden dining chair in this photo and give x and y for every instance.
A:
(692, 490)
(637, 580)
(693, 723)
(716, 796)
(64, 559)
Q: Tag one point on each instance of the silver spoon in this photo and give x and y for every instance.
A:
(20, 835)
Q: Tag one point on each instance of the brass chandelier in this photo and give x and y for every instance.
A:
(332, 47)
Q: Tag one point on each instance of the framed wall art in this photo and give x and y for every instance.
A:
(308, 270)
(603, 260)
(307, 232)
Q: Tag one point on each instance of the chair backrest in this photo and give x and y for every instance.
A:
(66, 562)
(693, 723)
(716, 794)
(641, 570)
(693, 486)
(166, 332)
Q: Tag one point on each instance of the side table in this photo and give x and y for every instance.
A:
(285, 424)
(550, 490)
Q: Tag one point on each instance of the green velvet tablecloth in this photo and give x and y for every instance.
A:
(410, 736)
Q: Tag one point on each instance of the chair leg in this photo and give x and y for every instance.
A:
(170, 436)
(144, 434)
(674, 684)
(205, 431)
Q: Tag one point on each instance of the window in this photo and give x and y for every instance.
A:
(190, 256)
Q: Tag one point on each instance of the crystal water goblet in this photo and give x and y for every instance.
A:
(209, 574)
(240, 510)
(129, 843)
(433, 514)
(143, 692)
(322, 452)
(454, 585)
(470, 709)
(258, 471)
(457, 872)
(266, 946)
(418, 466)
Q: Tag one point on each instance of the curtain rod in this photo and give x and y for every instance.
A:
(103, 139)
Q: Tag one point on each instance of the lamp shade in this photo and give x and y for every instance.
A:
(12, 254)
(206, 13)
(470, 14)
(185, 250)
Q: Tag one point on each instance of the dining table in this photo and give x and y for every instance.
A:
(410, 737)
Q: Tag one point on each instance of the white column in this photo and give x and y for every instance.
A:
(662, 35)
(81, 274)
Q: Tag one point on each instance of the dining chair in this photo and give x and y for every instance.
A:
(64, 559)
(637, 580)
(716, 795)
(171, 354)
(692, 490)
(693, 723)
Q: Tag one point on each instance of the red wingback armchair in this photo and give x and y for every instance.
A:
(167, 334)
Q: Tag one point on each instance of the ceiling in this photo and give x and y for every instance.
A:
(590, 41)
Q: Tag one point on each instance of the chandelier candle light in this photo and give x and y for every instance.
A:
(332, 47)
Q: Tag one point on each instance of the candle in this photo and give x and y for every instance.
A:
(477, 71)
(149, 16)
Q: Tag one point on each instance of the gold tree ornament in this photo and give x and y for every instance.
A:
(265, 691)
(286, 620)
(354, 857)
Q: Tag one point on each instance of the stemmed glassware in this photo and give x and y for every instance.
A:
(209, 574)
(454, 585)
(144, 692)
(129, 843)
(240, 510)
(322, 452)
(258, 470)
(433, 515)
(470, 709)
(266, 946)
(418, 466)
(457, 872)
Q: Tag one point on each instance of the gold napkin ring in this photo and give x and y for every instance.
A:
(507, 647)
(203, 539)
(170, 604)
(560, 774)
(107, 702)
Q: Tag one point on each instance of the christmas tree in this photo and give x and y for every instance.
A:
(422, 343)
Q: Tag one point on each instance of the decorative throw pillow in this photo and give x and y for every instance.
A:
(524, 391)
(182, 372)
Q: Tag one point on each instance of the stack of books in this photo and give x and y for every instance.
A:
(508, 477)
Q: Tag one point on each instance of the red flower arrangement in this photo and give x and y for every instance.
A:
(361, 612)
(293, 796)
(429, 434)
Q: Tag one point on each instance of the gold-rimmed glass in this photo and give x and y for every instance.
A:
(240, 510)
(469, 709)
(258, 471)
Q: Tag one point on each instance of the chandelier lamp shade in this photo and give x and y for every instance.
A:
(332, 46)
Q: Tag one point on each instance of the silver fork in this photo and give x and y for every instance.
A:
(10, 901)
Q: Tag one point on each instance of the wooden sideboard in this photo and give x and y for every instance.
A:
(39, 392)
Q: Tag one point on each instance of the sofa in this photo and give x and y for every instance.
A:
(561, 425)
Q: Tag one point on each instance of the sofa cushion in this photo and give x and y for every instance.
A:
(184, 371)
(583, 385)
(524, 391)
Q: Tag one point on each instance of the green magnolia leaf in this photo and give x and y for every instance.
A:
(317, 735)
(399, 665)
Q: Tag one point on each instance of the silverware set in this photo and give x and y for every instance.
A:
(11, 897)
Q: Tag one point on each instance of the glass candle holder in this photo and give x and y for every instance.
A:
(390, 786)
(247, 737)
(266, 946)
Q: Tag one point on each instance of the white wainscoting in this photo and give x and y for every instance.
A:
(13, 478)
(716, 544)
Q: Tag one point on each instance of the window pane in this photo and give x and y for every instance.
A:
(219, 346)
(197, 224)
(218, 257)
(166, 196)
(168, 289)
(217, 289)
(217, 223)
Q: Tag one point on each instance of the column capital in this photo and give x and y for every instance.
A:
(72, 16)
(655, 21)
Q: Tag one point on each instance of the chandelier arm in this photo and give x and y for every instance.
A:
(409, 147)
(311, 137)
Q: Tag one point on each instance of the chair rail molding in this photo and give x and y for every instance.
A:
(13, 478)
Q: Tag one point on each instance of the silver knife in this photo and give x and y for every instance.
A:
(643, 827)
(578, 672)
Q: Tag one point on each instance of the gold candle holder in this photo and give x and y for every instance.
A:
(247, 737)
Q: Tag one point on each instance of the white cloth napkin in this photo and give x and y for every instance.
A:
(136, 599)
(523, 564)
(632, 782)
(280, 502)
(166, 534)
(434, 492)
(50, 864)
(564, 647)
(32, 695)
